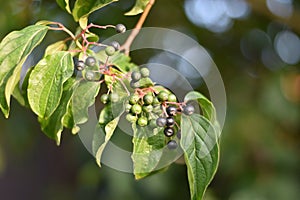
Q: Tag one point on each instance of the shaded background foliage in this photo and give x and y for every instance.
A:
(256, 47)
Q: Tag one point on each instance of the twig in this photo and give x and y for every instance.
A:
(136, 30)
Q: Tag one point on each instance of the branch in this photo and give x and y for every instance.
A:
(137, 28)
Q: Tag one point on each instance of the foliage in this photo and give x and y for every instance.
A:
(61, 87)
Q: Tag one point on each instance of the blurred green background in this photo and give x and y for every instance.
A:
(255, 45)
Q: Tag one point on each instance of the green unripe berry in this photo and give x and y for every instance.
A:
(114, 97)
(152, 123)
(133, 99)
(172, 98)
(142, 121)
(155, 101)
(157, 109)
(89, 75)
(136, 76)
(136, 109)
(148, 108)
(104, 98)
(131, 118)
(145, 72)
(162, 96)
(148, 99)
(128, 107)
(109, 50)
(134, 84)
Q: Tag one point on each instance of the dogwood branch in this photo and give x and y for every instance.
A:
(137, 28)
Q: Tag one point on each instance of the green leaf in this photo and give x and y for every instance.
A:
(14, 49)
(84, 97)
(83, 8)
(148, 146)
(108, 121)
(138, 8)
(64, 4)
(104, 132)
(57, 46)
(46, 82)
(53, 125)
(199, 141)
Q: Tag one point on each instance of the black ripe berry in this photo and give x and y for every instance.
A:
(120, 28)
(171, 110)
(136, 76)
(90, 61)
(161, 121)
(115, 45)
(172, 144)
(145, 72)
(169, 131)
(170, 121)
(188, 110)
(80, 65)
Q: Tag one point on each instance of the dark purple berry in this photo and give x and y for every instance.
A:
(171, 110)
(90, 61)
(120, 28)
(170, 121)
(80, 65)
(115, 44)
(161, 121)
(172, 144)
(188, 110)
(169, 131)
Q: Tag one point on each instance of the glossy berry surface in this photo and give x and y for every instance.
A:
(136, 76)
(172, 144)
(162, 96)
(104, 98)
(145, 72)
(109, 50)
(170, 121)
(161, 122)
(115, 45)
(172, 98)
(128, 107)
(188, 110)
(133, 99)
(148, 99)
(171, 110)
(89, 75)
(90, 61)
(142, 121)
(169, 131)
(136, 109)
(80, 65)
(120, 28)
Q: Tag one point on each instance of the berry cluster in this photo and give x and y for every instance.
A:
(148, 107)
